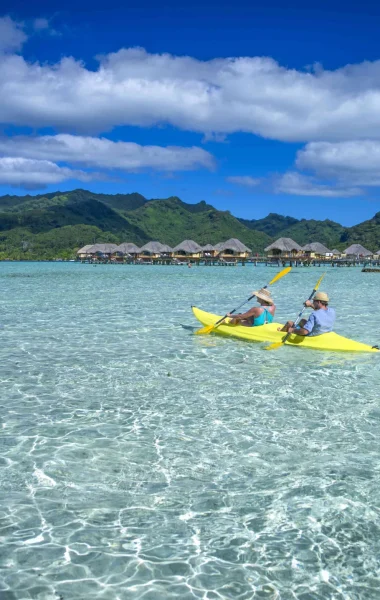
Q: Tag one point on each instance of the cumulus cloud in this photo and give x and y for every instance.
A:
(301, 185)
(33, 174)
(355, 162)
(220, 96)
(104, 153)
(244, 180)
(12, 35)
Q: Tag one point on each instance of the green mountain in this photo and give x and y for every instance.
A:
(305, 231)
(367, 234)
(57, 224)
(272, 225)
(171, 221)
(302, 231)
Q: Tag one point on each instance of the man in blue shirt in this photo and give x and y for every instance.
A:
(321, 320)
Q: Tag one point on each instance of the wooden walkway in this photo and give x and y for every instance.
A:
(284, 262)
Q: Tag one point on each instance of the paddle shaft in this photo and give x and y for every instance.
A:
(299, 316)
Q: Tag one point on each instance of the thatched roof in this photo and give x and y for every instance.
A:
(235, 245)
(283, 244)
(188, 246)
(377, 252)
(127, 248)
(357, 250)
(219, 246)
(85, 249)
(336, 252)
(156, 248)
(316, 247)
(102, 248)
(209, 248)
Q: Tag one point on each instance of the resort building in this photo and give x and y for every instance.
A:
(125, 251)
(336, 253)
(316, 250)
(154, 251)
(283, 248)
(233, 249)
(209, 251)
(128, 248)
(83, 253)
(356, 251)
(101, 251)
(187, 250)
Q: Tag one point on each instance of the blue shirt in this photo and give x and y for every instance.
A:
(320, 321)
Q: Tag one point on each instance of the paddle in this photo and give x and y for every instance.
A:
(279, 344)
(209, 328)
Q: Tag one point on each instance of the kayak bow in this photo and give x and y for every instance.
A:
(268, 333)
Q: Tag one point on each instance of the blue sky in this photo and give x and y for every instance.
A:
(273, 107)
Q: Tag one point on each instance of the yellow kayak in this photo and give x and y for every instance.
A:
(268, 333)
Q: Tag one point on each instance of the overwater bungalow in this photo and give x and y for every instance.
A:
(153, 251)
(357, 251)
(187, 250)
(376, 254)
(283, 248)
(83, 253)
(316, 250)
(126, 251)
(336, 253)
(233, 249)
(101, 251)
(209, 251)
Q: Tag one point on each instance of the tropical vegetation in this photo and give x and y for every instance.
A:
(55, 225)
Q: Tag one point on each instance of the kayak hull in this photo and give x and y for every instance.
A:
(331, 342)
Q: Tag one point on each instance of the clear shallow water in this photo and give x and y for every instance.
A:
(140, 461)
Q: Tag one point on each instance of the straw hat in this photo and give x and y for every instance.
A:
(322, 296)
(264, 294)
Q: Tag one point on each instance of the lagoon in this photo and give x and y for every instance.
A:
(138, 460)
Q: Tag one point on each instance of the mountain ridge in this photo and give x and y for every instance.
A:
(56, 224)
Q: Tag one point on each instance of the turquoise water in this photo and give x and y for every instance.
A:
(138, 460)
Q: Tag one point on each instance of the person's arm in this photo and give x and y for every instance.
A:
(252, 312)
(306, 329)
(298, 331)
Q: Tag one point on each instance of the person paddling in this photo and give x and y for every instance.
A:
(321, 320)
(258, 315)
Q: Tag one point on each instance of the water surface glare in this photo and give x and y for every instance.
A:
(139, 461)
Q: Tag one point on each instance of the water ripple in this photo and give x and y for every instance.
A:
(140, 461)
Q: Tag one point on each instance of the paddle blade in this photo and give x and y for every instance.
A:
(274, 346)
(319, 282)
(280, 274)
(205, 330)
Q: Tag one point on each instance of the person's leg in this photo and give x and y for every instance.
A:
(233, 321)
(246, 322)
(291, 324)
(286, 326)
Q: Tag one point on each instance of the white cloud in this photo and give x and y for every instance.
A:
(220, 96)
(40, 24)
(23, 172)
(12, 35)
(244, 180)
(355, 162)
(301, 185)
(104, 153)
